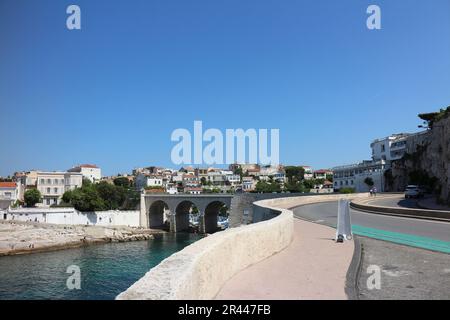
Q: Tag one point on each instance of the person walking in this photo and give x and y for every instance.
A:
(375, 191)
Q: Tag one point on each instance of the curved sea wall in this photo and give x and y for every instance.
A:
(202, 268)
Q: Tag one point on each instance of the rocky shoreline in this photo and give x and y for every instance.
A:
(28, 237)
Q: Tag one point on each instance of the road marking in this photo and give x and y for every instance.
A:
(403, 238)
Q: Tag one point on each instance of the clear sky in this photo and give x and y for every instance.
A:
(113, 92)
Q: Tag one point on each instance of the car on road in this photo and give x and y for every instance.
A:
(413, 191)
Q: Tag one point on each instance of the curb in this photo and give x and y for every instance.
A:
(354, 271)
(433, 215)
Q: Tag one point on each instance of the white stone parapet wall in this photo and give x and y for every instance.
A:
(71, 216)
(201, 269)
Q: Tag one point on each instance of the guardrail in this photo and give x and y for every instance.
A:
(402, 212)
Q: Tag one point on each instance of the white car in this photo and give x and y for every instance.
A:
(413, 191)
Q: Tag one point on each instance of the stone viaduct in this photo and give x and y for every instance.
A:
(176, 207)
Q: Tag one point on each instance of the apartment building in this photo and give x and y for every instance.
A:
(322, 173)
(148, 180)
(248, 184)
(89, 171)
(390, 148)
(354, 175)
(9, 193)
(309, 174)
(52, 185)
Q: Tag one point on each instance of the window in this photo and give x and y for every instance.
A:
(56, 190)
(48, 191)
(42, 181)
(49, 181)
(48, 201)
(383, 148)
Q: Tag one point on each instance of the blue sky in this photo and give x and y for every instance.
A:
(113, 92)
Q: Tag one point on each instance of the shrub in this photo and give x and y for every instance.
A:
(347, 190)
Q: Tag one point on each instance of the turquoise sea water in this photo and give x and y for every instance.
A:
(106, 269)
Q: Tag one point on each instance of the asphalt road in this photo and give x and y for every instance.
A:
(396, 201)
(406, 272)
(326, 213)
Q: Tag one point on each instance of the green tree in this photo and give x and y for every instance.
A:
(87, 199)
(32, 197)
(86, 182)
(239, 172)
(433, 117)
(369, 181)
(67, 196)
(113, 196)
(132, 200)
(293, 187)
(294, 173)
(265, 187)
(309, 184)
(122, 182)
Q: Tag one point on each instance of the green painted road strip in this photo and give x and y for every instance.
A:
(403, 238)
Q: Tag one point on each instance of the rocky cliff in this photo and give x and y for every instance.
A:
(427, 159)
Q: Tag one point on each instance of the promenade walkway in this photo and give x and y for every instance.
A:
(312, 267)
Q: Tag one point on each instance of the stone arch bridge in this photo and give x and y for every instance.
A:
(155, 206)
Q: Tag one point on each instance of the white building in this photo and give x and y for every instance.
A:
(280, 177)
(384, 151)
(390, 148)
(147, 180)
(233, 179)
(190, 180)
(322, 173)
(269, 170)
(89, 171)
(9, 193)
(248, 184)
(354, 176)
(193, 190)
(308, 172)
(172, 189)
(52, 185)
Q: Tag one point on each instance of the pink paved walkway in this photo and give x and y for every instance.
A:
(312, 267)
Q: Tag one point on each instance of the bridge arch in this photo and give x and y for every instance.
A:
(182, 211)
(211, 215)
(157, 215)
